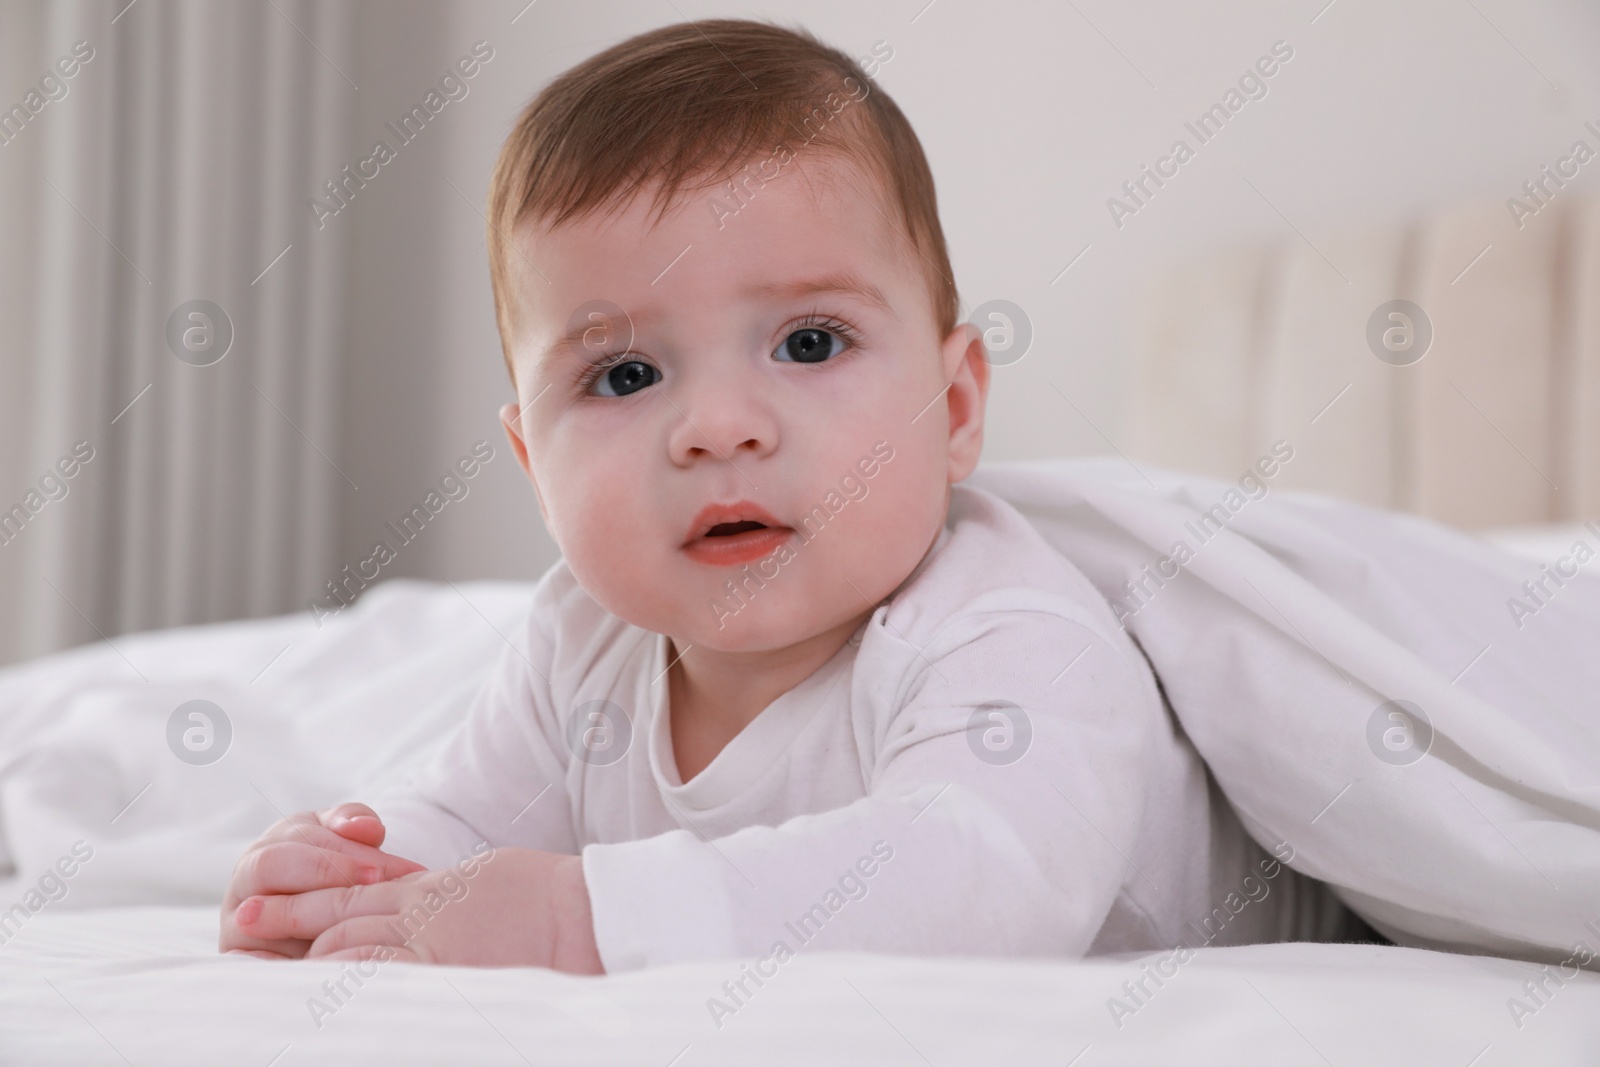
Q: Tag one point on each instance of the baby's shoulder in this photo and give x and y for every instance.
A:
(995, 561)
(997, 613)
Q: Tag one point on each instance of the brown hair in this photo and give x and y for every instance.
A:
(700, 99)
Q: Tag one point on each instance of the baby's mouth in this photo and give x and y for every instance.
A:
(730, 534)
(727, 529)
(730, 520)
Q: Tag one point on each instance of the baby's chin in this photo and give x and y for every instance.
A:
(773, 619)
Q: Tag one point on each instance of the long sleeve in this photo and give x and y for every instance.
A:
(1005, 796)
(500, 777)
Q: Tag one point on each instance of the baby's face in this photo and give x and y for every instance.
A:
(735, 373)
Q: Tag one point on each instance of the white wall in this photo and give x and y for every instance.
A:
(1031, 119)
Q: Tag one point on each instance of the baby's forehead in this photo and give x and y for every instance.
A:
(818, 213)
(817, 182)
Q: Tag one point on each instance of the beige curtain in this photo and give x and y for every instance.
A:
(173, 164)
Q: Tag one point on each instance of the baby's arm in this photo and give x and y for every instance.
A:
(491, 819)
(954, 850)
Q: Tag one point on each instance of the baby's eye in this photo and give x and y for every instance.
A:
(624, 378)
(810, 344)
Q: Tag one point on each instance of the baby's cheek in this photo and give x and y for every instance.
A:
(595, 511)
(911, 482)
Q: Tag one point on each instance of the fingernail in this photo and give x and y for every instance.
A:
(248, 912)
(371, 875)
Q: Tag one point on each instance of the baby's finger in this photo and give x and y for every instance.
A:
(313, 827)
(391, 865)
(354, 821)
(363, 931)
(319, 836)
(307, 827)
(295, 867)
(292, 827)
(308, 915)
(232, 939)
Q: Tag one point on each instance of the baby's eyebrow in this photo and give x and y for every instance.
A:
(840, 282)
(568, 341)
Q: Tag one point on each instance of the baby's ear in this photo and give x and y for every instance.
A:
(957, 346)
(967, 367)
(511, 419)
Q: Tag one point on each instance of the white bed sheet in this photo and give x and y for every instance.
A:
(143, 986)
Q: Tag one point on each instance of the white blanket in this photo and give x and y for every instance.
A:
(1280, 642)
(317, 716)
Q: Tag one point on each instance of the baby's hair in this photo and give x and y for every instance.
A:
(703, 100)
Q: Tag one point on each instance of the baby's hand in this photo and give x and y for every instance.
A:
(517, 907)
(308, 850)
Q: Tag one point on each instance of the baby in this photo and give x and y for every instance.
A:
(790, 685)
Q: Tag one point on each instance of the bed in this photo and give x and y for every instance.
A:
(121, 966)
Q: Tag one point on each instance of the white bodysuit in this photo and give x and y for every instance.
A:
(986, 767)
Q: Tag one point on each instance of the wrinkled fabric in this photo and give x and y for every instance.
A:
(1283, 637)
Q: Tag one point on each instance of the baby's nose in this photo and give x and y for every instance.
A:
(723, 421)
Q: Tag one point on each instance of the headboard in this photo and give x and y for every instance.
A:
(1497, 424)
